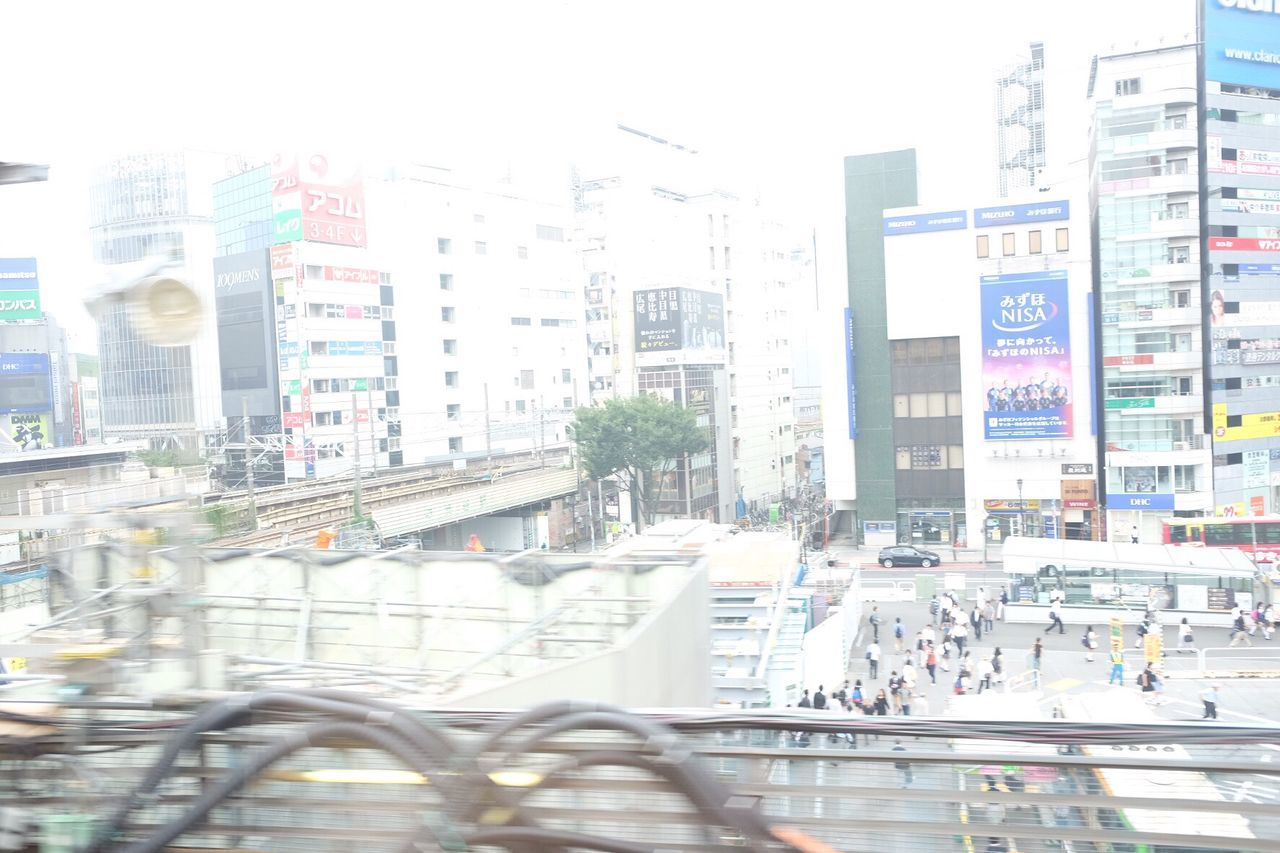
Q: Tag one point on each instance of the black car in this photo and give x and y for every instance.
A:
(906, 555)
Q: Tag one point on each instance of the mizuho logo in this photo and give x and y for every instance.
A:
(1249, 5)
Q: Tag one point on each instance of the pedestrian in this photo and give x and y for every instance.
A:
(873, 658)
(989, 617)
(1037, 651)
(881, 705)
(805, 702)
(1133, 535)
(908, 677)
(975, 622)
(934, 607)
(1144, 628)
(899, 633)
(1117, 667)
(1090, 642)
(895, 691)
(984, 674)
(1209, 696)
(946, 655)
(1004, 602)
(842, 695)
(874, 620)
(906, 701)
(1055, 618)
(1149, 682)
(960, 633)
(903, 766)
(819, 700)
(1239, 631)
(960, 685)
(919, 647)
(997, 666)
(931, 664)
(1186, 639)
(855, 695)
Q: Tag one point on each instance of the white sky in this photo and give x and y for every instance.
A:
(778, 91)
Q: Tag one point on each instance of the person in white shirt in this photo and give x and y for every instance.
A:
(908, 676)
(873, 658)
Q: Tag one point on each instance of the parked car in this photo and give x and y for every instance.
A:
(906, 555)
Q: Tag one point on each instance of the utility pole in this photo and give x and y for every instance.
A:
(488, 433)
(591, 519)
(373, 433)
(248, 463)
(355, 439)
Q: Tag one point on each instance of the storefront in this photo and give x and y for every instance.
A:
(926, 528)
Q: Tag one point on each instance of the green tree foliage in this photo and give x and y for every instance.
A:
(640, 438)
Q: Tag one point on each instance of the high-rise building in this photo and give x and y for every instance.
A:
(688, 289)
(489, 278)
(1241, 205)
(1146, 200)
(1021, 155)
(306, 325)
(35, 389)
(143, 205)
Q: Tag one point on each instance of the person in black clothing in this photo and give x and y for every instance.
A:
(819, 700)
(804, 701)
(881, 705)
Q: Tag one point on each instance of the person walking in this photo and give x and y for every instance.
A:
(988, 617)
(997, 666)
(874, 620)
(1150, 684)
(984, 674)
(899, 634)
(873, 659)
(855, 695)
(1239, 631)
(1117, 667)
(1133, 535)
(1037, 651)
(975, 622)
(895, 691)
(1004, 602)
(1209, 696)
(1090, 642)
(931, 663)
(902, 766)
(881, 706)
(1186, 639)
(1055, 618)
(960, 634)
(819, 700)
(805, 702)
(934, 607)
(919, 646)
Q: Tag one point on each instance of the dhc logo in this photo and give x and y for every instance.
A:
(1249, 5)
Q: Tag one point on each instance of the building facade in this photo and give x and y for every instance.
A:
(144, 205)
(1021, 146)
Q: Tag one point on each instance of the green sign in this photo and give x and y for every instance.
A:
(288, 224)
(1132, 403)
(294, 387)
(305, 359)
(359, 384)
(19, 305)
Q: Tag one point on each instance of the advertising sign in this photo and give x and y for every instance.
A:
(1020, 214)
(19, 289)
(25, 382)
(1242, 42)
(849, 364)
(352, 275)
(30, 431)
(1026, 364)
(315, 200)
(920, 223)
(1257, 425)
(678, 325)
(1244, 244)
(1075, 469)
(1257, 469)
(1140, 501)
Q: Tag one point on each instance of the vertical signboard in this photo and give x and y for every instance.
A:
(848, 366)
(19, 289)
(1026, 363)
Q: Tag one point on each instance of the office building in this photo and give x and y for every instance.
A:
(86, 402)
(1021, 155)
(144, 205)
(491, 282)
(35, 398)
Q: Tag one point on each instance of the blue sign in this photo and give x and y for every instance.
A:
(348, 348)
(1259, 269)
(919, 223)
(1242, 42)
(848, 364)
(24, 362)
(1026, 356)
(1019, 214)
(1143, 501)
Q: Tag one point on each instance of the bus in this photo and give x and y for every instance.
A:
(1258, 537)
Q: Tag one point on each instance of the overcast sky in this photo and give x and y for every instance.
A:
(777, 92)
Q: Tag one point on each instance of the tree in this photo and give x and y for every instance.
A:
(641, 438)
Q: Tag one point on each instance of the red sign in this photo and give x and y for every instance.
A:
(1243, 244)
(349, 274)
(306, 401)
(294, 420)
(291, 450)
(1116, 360)
(1232, 167)
(282, 258)
(362, 416)
(354, 312)
(1079, 504)
(1257, 505)
(334, 214)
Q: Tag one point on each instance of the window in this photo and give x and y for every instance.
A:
(566, 375)
(1129, 86)
(1178, 121)
(711, 251)
(315, 309)
(955, 457)
(522, 252)
(1178, 210)
(711, 225)
(520, 405)
(902, 459)
(953, 404)
(526, 379)
(521, 321)
(446, 281)
(1184, 478)
(319, 347)
(313, 271)
(551, 321)
(549, 232)
(1033, 242)
(984, 246)
(1179, 254)
(727, 258)
(901, 406)
(567, 402)
(451, 379)
(322, 418)
(1177, 167)
(450, 346)
(725, 219)
(455, 444)
(447, 314)
(444, 246)
(482, 248)
(1061, 243)
(453, 411)
(1181, 298)
(1008, 244)
(320, 386)
(388, 312)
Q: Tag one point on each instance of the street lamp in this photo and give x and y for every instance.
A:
(1022, 511)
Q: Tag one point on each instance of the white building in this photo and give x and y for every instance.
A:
(488, 287)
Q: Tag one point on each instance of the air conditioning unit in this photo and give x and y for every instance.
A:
(1182, 445)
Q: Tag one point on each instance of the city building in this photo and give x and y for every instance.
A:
(1148, 214)
(688, 293)
(305, 325)
(144, 205)
(1241, 203)
(1021, 147)
(35, 389)
(491, 279)
(86, 400)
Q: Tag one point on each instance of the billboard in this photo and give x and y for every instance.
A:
(1242, 42)
(29, 431)
(1020, 214)
(245, 304)
(923, 223)
(317, 200)
(19, 289)
(25, 383)
(679, 325)
(1026, 361)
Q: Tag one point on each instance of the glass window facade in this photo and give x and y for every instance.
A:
(242, 219)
